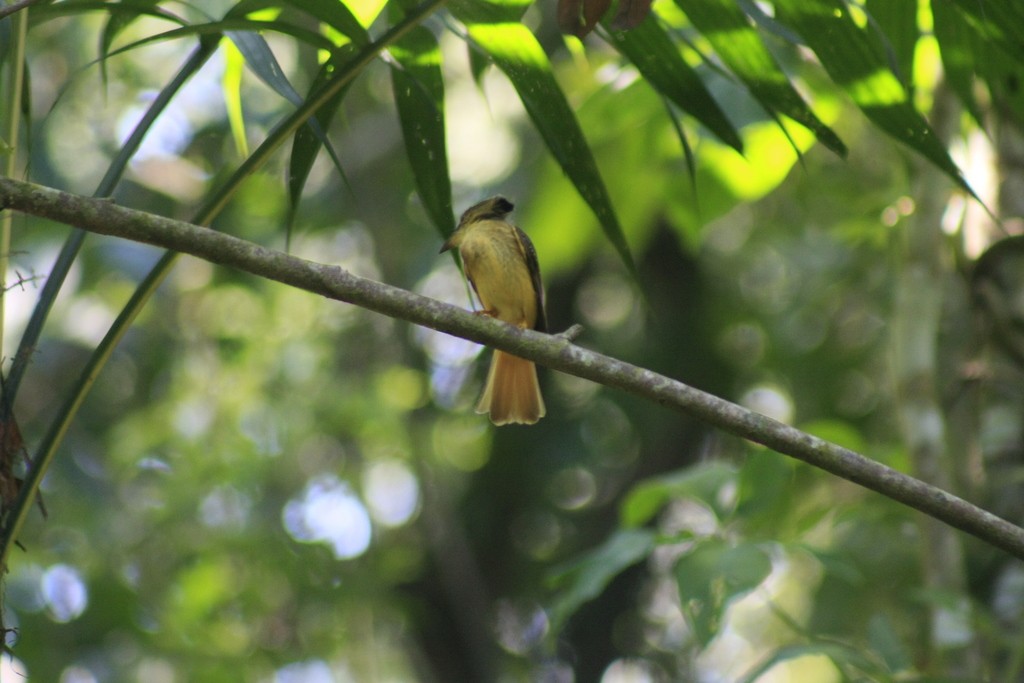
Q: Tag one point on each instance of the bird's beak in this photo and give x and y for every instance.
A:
(446, 246)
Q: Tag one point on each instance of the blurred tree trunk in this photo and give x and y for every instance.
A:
(926, 283)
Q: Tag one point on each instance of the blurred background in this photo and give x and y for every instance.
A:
(264, 485)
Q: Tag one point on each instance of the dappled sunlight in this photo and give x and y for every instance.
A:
(451, 357)
(477, 121)
(64, 592)
(12, 668)
(758, 623)
(770, 400)
(609, 436)
(879, 88)
(351, 246)
(392, 492)
(538, 534)
(769, 284)
(634, 670)
(91, 320)
(329, 512)
(573, 488)
(743, 343)
(78, 674)
(462, 441)
(520, 626)
(607, 301)
(225, 507)
(310, 671)
(273, 486)
(445, 284)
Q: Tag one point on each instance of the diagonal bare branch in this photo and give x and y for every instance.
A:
(553, 351)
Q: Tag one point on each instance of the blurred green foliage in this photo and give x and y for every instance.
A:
(265, 486)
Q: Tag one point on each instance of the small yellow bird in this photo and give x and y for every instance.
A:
(501, 265)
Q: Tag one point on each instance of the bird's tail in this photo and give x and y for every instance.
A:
(512, 394)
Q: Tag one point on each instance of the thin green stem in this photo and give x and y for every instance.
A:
(14, 119)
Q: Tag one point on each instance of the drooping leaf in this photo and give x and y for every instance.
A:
(743, 51)
(766, 483)
(478, 63)
(1001, 22)
(711, 575)
(311, 38)
(117, 22)
(231, 87)
(659, 61)
(45, 11)
(472, 12)
(959, 45)
(418, 86)
(307, 143)
(691, 161)
(895, 21)
(856, 62)
(584, 579)
(887, 642)
(515, 51)
(260, 58)
(335, 14)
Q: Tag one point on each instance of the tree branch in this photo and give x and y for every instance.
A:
(555, 352)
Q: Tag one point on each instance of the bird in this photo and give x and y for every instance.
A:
(500, 262)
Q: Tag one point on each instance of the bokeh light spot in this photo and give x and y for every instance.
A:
(392, 492)
(573, 488)
(328, 512)
(313, 671)
(769, 400)
(64, 592)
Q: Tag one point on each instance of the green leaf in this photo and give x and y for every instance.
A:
(231, 87)
(959, 46)
(703, 482)
(766, 481)
(307, 141)
(711, 575)
(489, 11)
(856, 63)
(896, 21)
(117, 22)
(886, 641)
(741, 48)
(659, 61)
(260, 58)
(999, 22)
(584, 579)
(311, 38)
(418, 86)
(515, 51)
(335, 14)
(46, 11)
